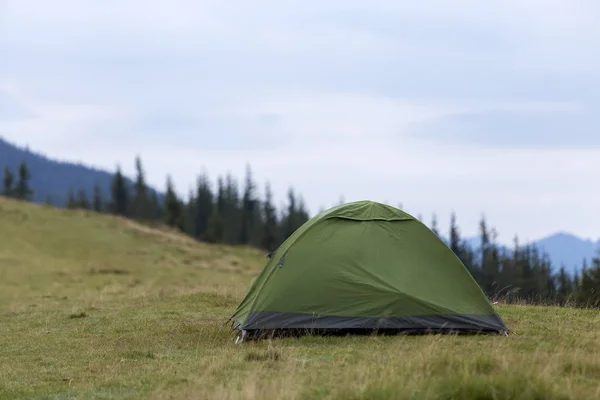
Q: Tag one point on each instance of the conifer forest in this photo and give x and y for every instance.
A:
(225, 211)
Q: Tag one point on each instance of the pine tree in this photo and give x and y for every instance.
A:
(576, 287)
(434, 224)
(220, 196)
(9, 181)
(485, 268)
(71, 200)
(231, 213)
(189, 214)
(82, 200)
(565, 286)
(248, 214)
(224, 215)
(485, 241)
(302, 213)
(492, 266)
(462, 251)
(269, 234)
(120, 197)
(294, 216)
(526, 272)
(173, 207)
(140, 205)
(510, 271)
(289, 220)
(23, 190)
(215, 230)
(98, 202)
(549, 288)
(506, 276)
(204, 206)
(576, 280)
(155, 207)
(455, 243)
(589, 291)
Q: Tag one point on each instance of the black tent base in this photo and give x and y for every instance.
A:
(271, 325)
(266, 334)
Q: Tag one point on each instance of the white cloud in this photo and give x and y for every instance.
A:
(54, 124)
(324, 96)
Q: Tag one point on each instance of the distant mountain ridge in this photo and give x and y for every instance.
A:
(569, 250)
(53, 179)
(563, 249)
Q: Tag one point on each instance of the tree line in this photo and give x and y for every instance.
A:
(235, 214)
(17, 186)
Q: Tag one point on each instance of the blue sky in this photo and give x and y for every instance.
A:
(466, 106)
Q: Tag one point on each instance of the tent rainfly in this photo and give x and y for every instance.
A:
(364, 267)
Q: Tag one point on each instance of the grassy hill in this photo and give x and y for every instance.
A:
(99, 307)
(53, 178)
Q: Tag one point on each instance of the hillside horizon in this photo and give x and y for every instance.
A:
(93, 305)
(52, 179)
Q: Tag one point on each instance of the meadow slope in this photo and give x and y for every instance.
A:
(98, 307)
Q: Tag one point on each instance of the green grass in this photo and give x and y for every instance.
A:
(99, 307)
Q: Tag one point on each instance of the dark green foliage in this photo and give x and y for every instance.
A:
(269, 231)
(249, 214)
(82, 200)
(189, 211)
(215, 231)
(65, 174)
(220, 196)
(98, 202)
(155, 207)
(231, 211)
(174, 208)
(223, 216)
(455, 243)
(203, 207)
(22, 190)
(564, 286)
(78, 200)
(434, 225)
(141, 206)
(71, 200)
(489, 268)
(8, 182)
(460, 248)
(120, 197)
(216, 227)
(589, 289)
(295, 215)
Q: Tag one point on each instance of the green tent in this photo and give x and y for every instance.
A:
(364, 267)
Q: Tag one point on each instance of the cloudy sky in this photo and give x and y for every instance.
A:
(467, 106)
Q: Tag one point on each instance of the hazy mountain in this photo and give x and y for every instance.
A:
(51, 178)
(568, 250)
(563, 249)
